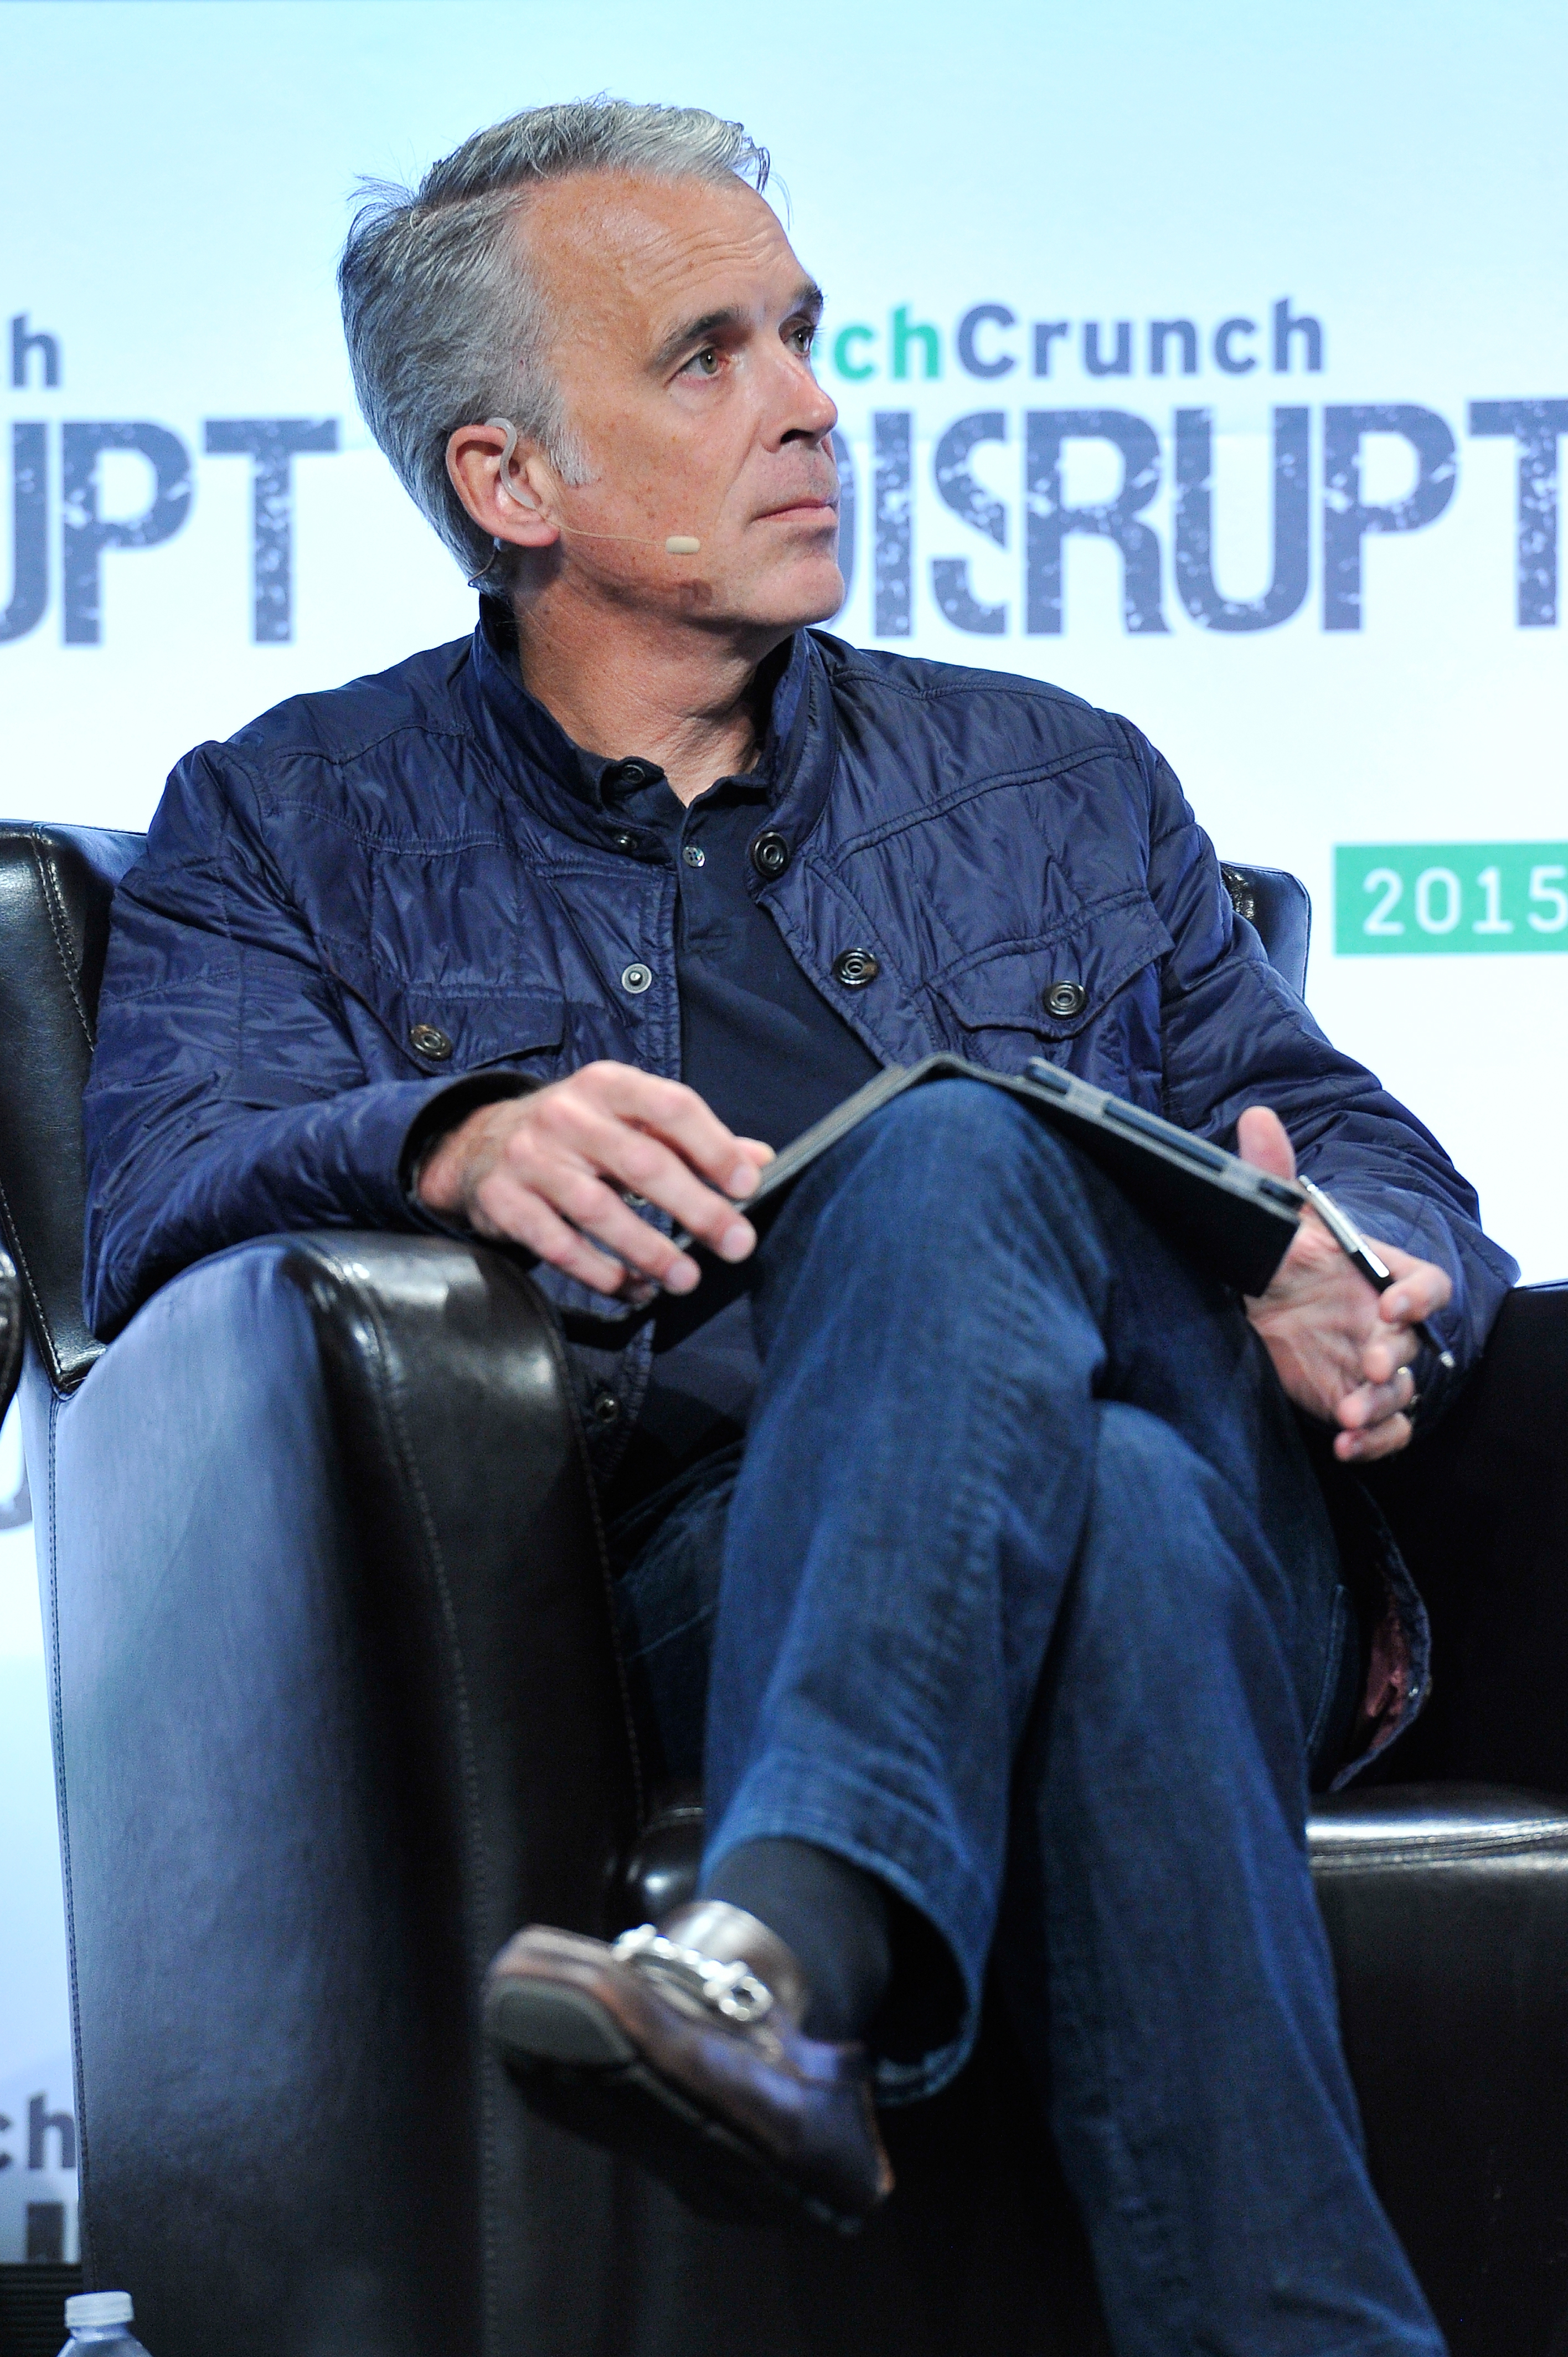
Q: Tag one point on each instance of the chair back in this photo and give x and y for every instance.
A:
(56, 884)
(1278, 906)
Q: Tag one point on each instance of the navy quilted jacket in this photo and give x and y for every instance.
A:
(416, 850)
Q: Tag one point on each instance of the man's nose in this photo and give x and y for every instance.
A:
(807, 411)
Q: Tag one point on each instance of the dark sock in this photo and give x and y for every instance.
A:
(834, 1917)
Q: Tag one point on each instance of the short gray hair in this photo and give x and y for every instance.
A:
(444, 325)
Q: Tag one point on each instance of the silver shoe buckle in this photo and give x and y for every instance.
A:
(732, 1989)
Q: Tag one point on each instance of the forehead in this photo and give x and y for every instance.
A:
(630, 259)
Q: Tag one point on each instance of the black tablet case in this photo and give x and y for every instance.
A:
(1235, 1221)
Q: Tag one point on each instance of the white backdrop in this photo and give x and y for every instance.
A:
(173, 187)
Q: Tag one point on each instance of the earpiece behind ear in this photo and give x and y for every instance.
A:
(503, 475)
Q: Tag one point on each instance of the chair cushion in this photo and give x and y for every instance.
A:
(1453, 1837)
(1447, 1909)
(1447, 1913)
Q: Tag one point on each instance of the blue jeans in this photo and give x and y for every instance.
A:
(1021, 1595)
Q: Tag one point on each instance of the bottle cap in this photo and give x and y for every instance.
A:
(98, 2307)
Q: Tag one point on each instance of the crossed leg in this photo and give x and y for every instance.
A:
(1020, 1608)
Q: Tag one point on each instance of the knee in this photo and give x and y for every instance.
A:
(954, 1108)
(968, 1130)
(954, 1198)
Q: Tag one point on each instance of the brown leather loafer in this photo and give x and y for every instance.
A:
(682, 2047)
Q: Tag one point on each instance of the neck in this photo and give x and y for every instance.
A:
(620, 681)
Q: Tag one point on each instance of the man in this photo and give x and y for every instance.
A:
(980, 1523)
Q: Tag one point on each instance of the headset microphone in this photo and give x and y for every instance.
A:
(678, 544)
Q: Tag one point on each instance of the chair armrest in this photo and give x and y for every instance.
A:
(336, 1707)
(1479, 1507)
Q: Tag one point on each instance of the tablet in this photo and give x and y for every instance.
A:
(1235, 1221)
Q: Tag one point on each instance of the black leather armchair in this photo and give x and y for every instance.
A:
(337, 1705)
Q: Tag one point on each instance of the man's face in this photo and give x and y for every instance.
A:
(682, 352)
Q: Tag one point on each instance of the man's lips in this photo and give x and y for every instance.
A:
(800, 509)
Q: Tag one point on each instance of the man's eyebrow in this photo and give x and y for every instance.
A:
(808, 297)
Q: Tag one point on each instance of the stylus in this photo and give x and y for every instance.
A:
(1353, 1245)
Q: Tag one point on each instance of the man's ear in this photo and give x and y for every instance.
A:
(512, 506)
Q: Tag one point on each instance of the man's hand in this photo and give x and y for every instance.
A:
(552, 1171)
(1341, 1349)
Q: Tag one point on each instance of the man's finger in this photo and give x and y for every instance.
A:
(1420, 1291)
(1373, 1403)
(671, 1111)
(598, 1211)
(1263, 1140)
(1385, 1439)
(584, 1207)
(526, 1219)
(1389, 1348)
(585, 1143)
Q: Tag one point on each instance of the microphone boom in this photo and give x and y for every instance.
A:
(678, 544)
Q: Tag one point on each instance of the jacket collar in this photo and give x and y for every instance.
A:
(561, 782)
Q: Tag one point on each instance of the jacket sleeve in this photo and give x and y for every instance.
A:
(228, 1098)
(1236, 1035)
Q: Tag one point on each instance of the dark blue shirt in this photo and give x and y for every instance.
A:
(759, 1044)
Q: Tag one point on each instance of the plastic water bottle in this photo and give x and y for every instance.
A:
(101, 2321)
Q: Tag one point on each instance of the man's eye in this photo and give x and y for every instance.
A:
(806, 338)
(706, 362)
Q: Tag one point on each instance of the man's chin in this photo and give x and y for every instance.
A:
(790, 598)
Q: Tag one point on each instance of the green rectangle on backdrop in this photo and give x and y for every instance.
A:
(1449, 900)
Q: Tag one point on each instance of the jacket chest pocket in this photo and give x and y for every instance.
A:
(1018, 999)
(440, 1033)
